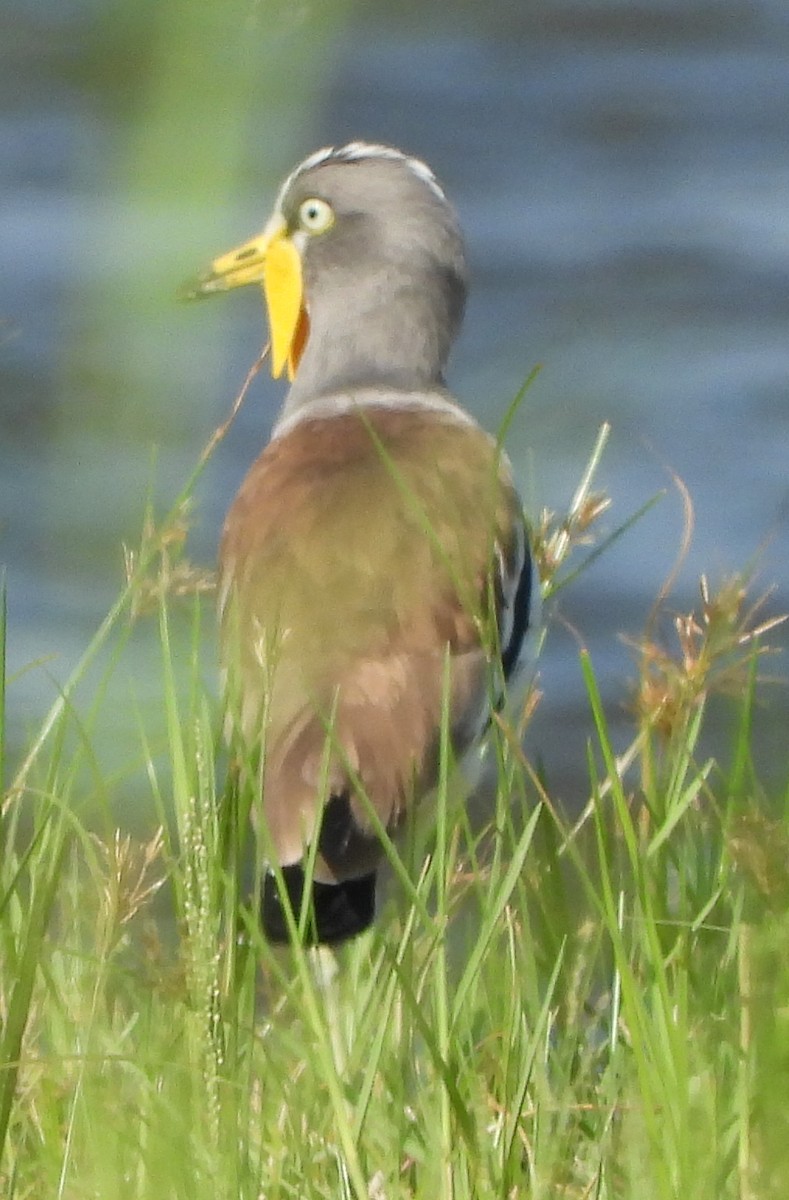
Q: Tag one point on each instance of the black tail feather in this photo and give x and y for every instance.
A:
(339, 910)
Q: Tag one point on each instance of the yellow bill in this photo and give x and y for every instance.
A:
(273, 261)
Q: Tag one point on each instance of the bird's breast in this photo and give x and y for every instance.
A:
(362, 535)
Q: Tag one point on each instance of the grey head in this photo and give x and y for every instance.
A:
(385, 283)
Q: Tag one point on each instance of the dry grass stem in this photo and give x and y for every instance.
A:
(713, 651)
(132, 875)
(170, 575)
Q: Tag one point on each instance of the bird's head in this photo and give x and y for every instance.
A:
(363, 269)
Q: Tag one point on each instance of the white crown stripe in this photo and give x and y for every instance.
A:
(355, 152)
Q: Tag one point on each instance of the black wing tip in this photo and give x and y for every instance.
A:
(340, 911)
(521, 615)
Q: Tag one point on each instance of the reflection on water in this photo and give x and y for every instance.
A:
(622, 173)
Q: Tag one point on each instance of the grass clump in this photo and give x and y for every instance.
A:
(544, 1010)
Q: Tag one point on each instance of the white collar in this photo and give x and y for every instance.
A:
(338, 403)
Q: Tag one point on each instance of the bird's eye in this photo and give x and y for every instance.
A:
(315, 215)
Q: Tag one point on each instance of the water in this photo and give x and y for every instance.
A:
(622, 174)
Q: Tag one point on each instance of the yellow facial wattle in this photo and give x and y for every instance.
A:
(272, 260)
(287, 318)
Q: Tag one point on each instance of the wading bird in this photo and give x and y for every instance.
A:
(375, 576)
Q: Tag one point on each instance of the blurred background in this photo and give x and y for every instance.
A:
(621, 169)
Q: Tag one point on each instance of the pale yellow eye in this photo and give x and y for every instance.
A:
(315, 215)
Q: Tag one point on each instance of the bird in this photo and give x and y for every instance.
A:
(376, 583)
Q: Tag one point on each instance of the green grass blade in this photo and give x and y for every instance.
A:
(44, 871)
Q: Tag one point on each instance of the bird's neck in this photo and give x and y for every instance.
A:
(396, 338)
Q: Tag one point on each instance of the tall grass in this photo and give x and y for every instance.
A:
(543, 1010)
